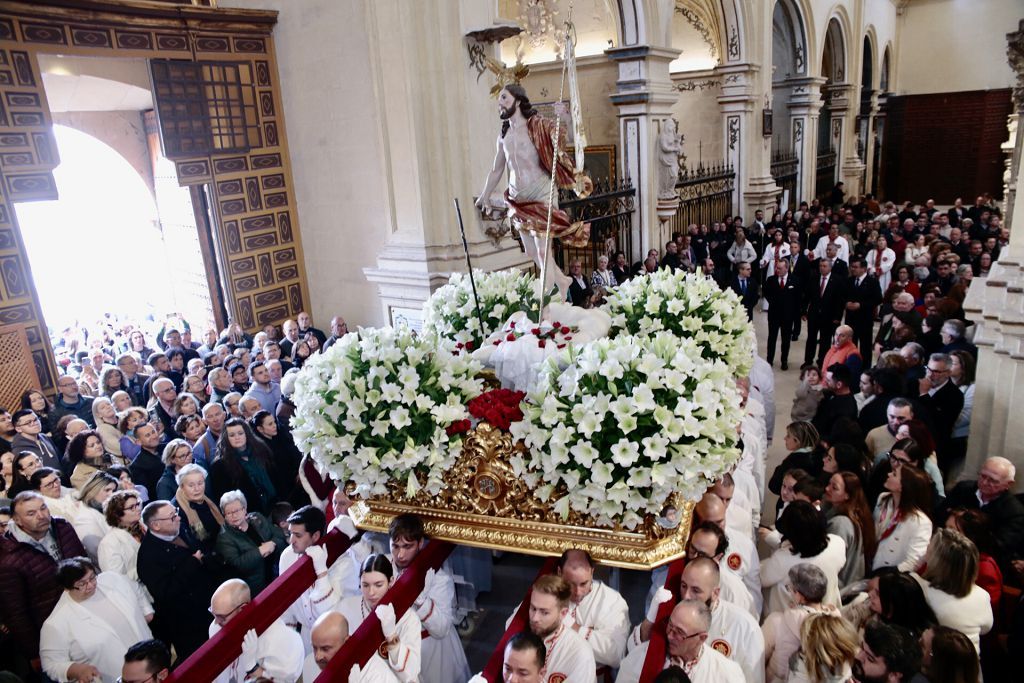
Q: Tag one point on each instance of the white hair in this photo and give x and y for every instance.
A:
(235, 496)
(187, 470)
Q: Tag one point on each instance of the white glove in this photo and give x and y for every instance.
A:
(247, 662)
(318, 554)
(386, 614)
(346, 525)
(479, 678)
(428, 579)
(662, 596)
(355, 675)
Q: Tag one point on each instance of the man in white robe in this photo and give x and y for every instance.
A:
(733, 632)
(443, 657)
(275, 654)
(737, 509)
(762, 385)
(741, 555)
(686, 633)
(596, 611)
(329, 633)
(569, 657)
(306, 526)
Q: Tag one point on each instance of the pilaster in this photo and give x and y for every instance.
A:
(804, 110)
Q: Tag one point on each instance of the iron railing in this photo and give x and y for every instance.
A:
(785, 166)
(825, 177)
(705, 195)
(609, 210)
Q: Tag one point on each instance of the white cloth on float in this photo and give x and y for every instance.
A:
(711, 667)
(278, 652)
(404, 661)
(603, 619)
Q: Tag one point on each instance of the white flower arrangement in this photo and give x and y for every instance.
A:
(618, 426)
(378, 406)
(450, 312)
(689, 306)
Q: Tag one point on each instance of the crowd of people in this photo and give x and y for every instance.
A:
(161, 491)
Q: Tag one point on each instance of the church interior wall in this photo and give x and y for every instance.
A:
(121, 130)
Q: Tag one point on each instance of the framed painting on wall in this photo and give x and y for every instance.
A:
(598, 162)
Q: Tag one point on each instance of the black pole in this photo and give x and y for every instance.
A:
(469, 265)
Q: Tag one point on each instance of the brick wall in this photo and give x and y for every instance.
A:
(945, 145)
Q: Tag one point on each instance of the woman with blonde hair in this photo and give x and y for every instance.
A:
(105, 416)
(89, 522)
(801, 439)
(828, 644)
(949, 585)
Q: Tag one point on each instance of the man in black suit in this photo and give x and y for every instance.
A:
(745, 286)
(579, 288)
(839, 267)
(823, 310)
(865, 294)
(784, 295)
(800, 269)
(147, 467)
(942, 402)
(992, 494)
(176, 578)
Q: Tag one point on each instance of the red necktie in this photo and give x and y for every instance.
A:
(824, 279)
(782, 282)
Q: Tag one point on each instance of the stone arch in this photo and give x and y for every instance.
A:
(869, 59)
(834, 58)
(789, 28)
(885, 70)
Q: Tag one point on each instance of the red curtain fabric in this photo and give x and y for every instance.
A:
(363, 644)
(207, 662)
(655, 660)
(492, 672)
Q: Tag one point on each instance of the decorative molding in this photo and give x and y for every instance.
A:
(734, 44)
(695, 21)
(734, 131)
(837, 128)
(706, 84)
(1015, 55)
(799, 58)
(798, 133)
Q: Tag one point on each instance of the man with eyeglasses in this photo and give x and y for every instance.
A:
(942, 402)
(733, 631)
(992, 493)
(276, 654)
(29, 437)
(880, 439)
(128, 364)
(29, 552)
(686, 633)
(148, 661)
(177, 579)
(70, 402)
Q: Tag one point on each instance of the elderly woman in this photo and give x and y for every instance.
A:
(119, 549)
(122, 401)
(177, 454)
(105, 416)
(781, 630)
(949, 585)
(203, 520)
(62, 501)
(95, 621)
(86, 453)
(249, 543)
(89, 522)
(603, 277)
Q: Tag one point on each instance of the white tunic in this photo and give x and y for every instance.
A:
(711, 667)
(375, 671)
(91, 527)
(319, 598)
(735, 634)
(732, 590)
(745, 482)
(603, 618)
(278, 652)
(775, 572)
(570, 659)
(741, 559)
(443, 659)
(404, 660)
(738, 519)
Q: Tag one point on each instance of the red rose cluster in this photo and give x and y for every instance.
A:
(458, 427)
(500, 407)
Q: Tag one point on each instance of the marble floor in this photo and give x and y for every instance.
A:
(513, 573)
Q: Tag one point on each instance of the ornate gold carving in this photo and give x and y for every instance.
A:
(485, 504)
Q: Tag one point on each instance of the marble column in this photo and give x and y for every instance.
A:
(869, 142)
(804, 108)
(644, 96)
(997, 307)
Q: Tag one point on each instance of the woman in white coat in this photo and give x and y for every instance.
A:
(119, 549)
(89, 522)
(949, 585)
(95, 621)
(777, 250)
(402, 639)
(804, 539)
(881, 259)
(902, 525)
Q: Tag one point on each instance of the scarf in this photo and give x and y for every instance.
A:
(193, 517)
(889, 517)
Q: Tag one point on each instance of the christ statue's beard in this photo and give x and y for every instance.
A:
(506, 112)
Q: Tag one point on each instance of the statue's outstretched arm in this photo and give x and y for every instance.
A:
(497, 170)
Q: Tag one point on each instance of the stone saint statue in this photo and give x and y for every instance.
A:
(525, 145)
(668, 159)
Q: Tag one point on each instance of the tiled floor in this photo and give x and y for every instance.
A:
(513, 573)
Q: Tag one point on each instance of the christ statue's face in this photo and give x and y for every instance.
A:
(506, 105)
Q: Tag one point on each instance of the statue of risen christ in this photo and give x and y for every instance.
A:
(526, 146)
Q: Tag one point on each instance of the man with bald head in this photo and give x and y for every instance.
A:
(992, 493)
(733, 631)
(686, 634)
(275, 654)
(339, 328)
(738, 519)
(844, 351)
(305, 323)
(596, 611)
(741, 555)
